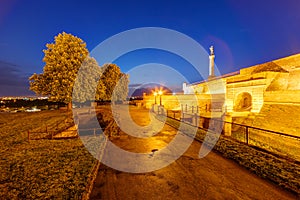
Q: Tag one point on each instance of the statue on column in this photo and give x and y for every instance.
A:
(211, 48)
(211, 63)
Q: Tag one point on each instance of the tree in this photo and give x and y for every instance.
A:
(63, 59)
(115, 82)
(88, 86)
(121, 90)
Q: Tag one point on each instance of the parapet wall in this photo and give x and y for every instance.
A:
(286, 97)
(289, 63)
(175, 101)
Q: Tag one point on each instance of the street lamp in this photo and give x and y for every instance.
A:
(155, 94)
(160, 94)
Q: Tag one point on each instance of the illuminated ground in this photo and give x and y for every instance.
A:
(213, 177)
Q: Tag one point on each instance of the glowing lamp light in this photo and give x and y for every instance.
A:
(155, 94)
(160, 93)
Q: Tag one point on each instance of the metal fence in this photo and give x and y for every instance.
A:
(277, 142)
(49, 131)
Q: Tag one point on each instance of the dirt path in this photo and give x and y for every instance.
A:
(189, 177)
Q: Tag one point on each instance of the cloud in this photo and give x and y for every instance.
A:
(11, 75)
(134, 85)
(12, 80)
(15, 91)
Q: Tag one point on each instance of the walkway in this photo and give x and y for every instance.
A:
(189, 177)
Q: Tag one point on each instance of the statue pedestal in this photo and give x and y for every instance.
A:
(211, 77)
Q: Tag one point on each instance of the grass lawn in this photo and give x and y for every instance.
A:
(41, 169)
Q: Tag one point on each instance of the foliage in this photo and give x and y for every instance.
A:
(100, 83)
(88, 86)
(115, 82)
(63, 59)
(121, 90)
(66, 57)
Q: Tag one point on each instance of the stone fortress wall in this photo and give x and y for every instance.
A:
(275, 81)
(250, 92)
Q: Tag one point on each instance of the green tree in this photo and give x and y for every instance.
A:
(115, 82)
(88, 86)
(63, 59)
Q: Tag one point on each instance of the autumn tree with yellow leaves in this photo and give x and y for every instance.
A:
(63, 60)
(115, 82)
(88, 86)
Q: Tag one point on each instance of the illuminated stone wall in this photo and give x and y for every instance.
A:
(289, 62)
(254, 84)
(282, 97)
(277, 81)
(176, 101)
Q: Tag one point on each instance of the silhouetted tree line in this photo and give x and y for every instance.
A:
(18, 103)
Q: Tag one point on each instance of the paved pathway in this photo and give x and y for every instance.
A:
(189, 177)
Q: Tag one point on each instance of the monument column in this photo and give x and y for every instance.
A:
(211, 63)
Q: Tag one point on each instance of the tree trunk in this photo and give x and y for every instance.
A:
(69, 106)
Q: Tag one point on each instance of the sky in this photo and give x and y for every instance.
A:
(243, 33)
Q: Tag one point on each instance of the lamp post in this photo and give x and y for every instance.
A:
(160, 94)
(155, 94)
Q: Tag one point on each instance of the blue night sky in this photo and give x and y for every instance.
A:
(244, 33)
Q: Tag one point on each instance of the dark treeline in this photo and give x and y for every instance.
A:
(17, 103)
